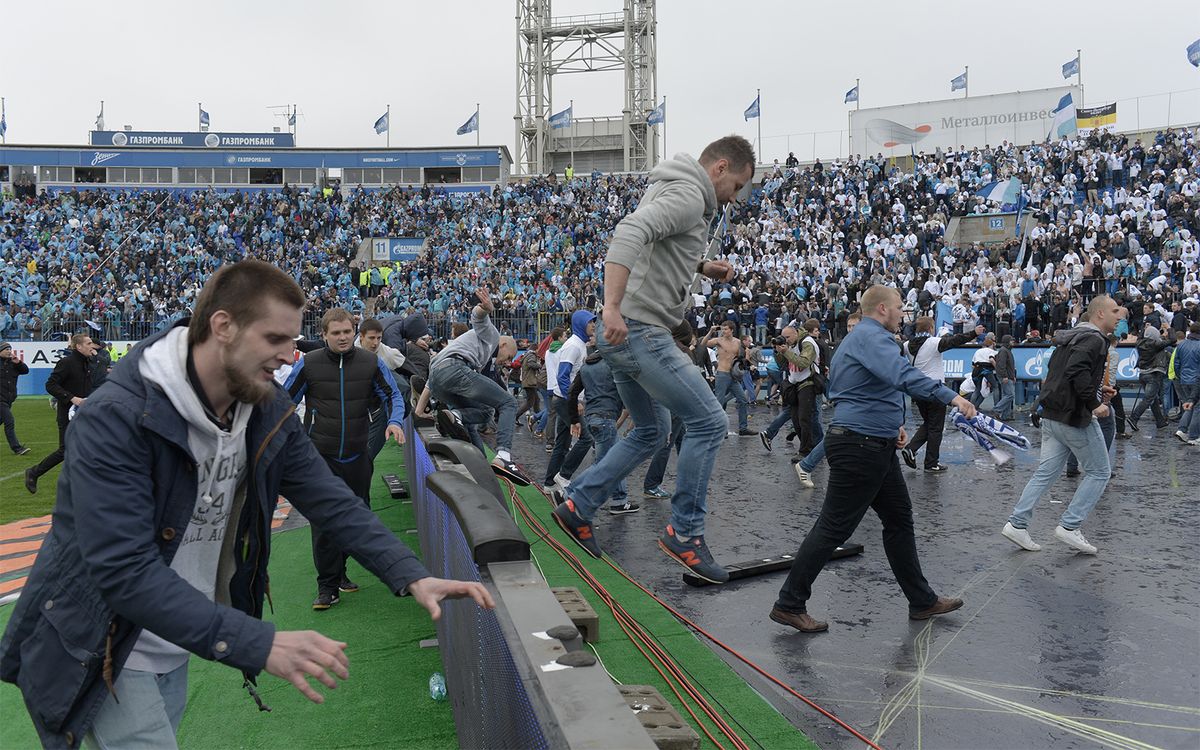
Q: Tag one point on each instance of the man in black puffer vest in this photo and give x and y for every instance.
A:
(339, 383)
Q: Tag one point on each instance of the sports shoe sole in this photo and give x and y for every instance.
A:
(323, 607)
(449, 426)
(622, 510)
(687, 567)
(515, 477)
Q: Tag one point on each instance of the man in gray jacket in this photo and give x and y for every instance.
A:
(653, 258)
(1006, 373)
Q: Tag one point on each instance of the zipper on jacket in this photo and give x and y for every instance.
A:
(342, 399)
(312, 423)
(258, 527)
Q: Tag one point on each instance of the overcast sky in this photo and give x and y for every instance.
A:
(343, 63)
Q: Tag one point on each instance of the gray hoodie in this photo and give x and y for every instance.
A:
(662, 242)
(476, 345)
(220, 493)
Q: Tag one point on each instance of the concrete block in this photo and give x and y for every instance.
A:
(580, 611)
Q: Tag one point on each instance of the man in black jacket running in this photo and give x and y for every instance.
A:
(70, 384)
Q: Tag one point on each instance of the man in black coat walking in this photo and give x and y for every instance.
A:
(70, 384)
(11, 368)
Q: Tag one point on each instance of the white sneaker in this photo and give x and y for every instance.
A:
(1181, 435)
(561, 482)
(1019, 537)
(805, 478)
(1074, 539)
(1195, 441)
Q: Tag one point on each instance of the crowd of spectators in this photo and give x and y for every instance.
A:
(1108, 215)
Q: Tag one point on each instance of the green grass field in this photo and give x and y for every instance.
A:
(37, 430)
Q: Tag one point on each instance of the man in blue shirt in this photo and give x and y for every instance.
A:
(867, 375)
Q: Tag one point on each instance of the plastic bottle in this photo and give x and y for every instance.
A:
(437, 687)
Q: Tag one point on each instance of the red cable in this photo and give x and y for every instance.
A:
(634, 631)
(827, 714)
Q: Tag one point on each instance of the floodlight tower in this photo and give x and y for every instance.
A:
(593, 43)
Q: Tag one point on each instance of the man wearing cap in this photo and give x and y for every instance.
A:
(11, 368)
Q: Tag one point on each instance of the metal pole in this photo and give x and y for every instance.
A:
(1168, 111)
(1079, 73)
(758, 99)
(858, 95)
(571, 108)
(2, 140)
(966, 81)
(476, 123)
(389, 126)
(665, 152)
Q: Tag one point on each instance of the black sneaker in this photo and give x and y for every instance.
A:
(325, 600)
(31, 480)
(549, 447)
(511, 471)
(347, 586)
(627, 507)
(451, 426)
(1073, 474)
(936, 469)
(1035, 419)
(579, 529)
(693, 555)
(747, 432)
(766, 440)
(910, 458)
(20, 450)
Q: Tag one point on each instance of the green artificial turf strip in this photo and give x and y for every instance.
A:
(38, 431)
(385, 703)
(752, 717)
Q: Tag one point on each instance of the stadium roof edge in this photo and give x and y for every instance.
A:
(288, 149)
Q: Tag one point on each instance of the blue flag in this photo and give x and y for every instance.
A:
(659, 115)
(1193, 50)
(752, 111)
(471, 125)
(944, 317)
(292, 120)
(959, 82)
(562, 119)
(1071, 68)
(1005, 193)
(851, 96)
(381, 125)
(3, 124)
(203, 118)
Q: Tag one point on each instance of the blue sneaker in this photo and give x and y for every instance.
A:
(656, 493)
(694, 556)
(579, 528)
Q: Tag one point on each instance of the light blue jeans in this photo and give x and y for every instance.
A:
(648, 368)
(1189, 423)
(725, 388)
(604, 434)
(1059, 441)
(147, 715)
(476, 398)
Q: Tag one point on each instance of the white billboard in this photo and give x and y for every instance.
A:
(1018, 117)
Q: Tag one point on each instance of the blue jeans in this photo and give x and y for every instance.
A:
(817, 454)
(1059, 441)
(994, 385)
(543, 416)
(148, 712)
(476, 398)
(783, 417)
(648, 368)
(667, 424)
(1007, 397)
(725, 388)
(1108, 428)
(1189, 423)
(604, 433)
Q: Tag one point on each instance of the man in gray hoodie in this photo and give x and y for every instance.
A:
(653, 259)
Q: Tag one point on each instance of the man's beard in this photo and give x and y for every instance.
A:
(245, 389)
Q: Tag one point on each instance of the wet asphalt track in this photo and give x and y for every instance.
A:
(1052, 648)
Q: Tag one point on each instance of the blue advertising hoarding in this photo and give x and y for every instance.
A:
(170, 139)
(1032, 362)
(320, 159)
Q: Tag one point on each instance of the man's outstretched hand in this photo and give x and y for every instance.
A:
(297, 655)
(430, 591)
(485, 301)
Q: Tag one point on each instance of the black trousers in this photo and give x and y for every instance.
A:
(328, 558)
(929, 434)
(56, 458)
(10, 425)
(802, 416)
(864, 472)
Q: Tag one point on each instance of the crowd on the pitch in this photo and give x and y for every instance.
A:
(1111, 216)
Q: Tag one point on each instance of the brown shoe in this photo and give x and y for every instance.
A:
(802, 622)
(940, 607)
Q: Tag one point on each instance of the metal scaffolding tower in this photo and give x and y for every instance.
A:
(547, 46)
